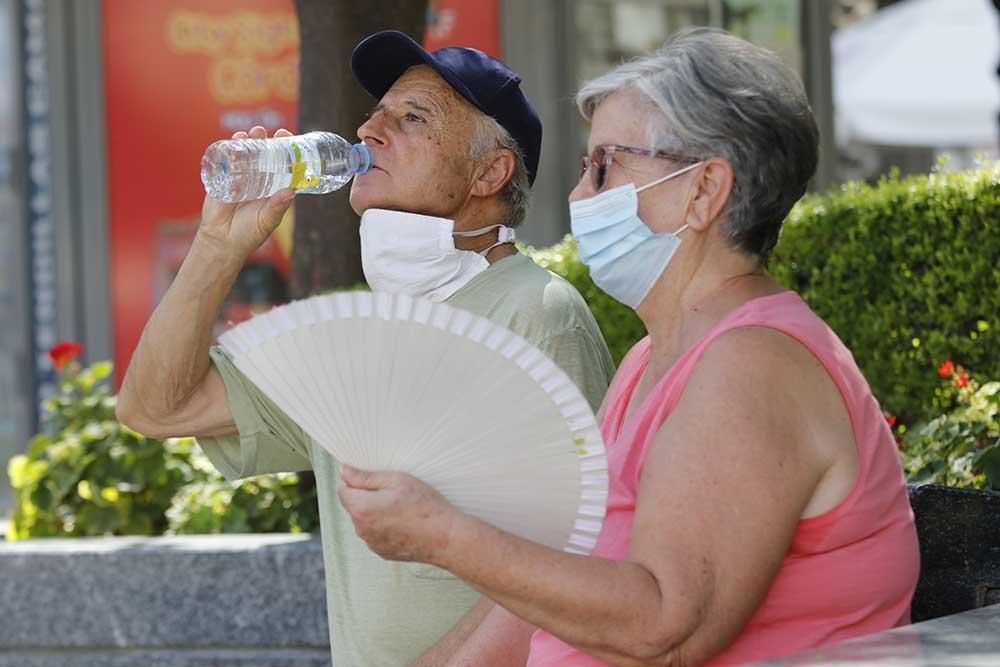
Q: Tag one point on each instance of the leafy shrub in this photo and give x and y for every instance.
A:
(621, 327)
(960, 447)
(87, 474)
(265, 504)
(907, 273)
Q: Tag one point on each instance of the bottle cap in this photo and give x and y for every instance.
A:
(364, 158)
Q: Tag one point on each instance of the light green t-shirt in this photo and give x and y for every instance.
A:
(384, 613)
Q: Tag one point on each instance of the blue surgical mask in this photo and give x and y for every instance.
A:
(625, 257)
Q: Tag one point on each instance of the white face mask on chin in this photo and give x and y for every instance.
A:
(413, 254)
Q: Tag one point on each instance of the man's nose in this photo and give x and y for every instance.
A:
(372, 131)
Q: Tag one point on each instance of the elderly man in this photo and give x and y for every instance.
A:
(455, 145)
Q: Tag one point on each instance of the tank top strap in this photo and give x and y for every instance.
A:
(622, 387)
(785, 312)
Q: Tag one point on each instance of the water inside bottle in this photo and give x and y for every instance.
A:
(297, 165)
(241, 170)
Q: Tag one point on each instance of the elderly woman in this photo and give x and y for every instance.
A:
(757, 505)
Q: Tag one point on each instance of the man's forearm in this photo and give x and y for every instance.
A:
(172, 355)
(501, 640)
(442, 651)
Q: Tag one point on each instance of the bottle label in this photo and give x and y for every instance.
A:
(299, 178)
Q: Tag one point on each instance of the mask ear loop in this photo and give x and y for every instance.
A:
(667, 178)
(505, 235)
(671, 175)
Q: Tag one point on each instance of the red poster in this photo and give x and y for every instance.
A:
(180, 74)
(464, 23)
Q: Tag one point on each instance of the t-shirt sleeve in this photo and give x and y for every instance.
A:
(586, 361)
(266, 439)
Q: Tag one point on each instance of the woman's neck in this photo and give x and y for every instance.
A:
(677, 313)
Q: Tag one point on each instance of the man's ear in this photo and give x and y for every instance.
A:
(709, 193)
(494, 174)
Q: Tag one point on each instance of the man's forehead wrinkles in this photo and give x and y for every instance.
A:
(423, 84)
(419, 107)
(426, 101)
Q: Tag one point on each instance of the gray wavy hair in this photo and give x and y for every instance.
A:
(716, 95)
(487, 136)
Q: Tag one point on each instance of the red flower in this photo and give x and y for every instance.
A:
(64, 352)
(962, 381)
(946, 369)
(891, 419)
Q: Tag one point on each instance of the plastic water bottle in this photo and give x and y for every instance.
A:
(316, 163)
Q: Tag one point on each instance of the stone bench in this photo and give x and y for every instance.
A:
(237, 600)
(970, 638)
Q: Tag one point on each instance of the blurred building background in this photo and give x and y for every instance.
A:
(106, 107)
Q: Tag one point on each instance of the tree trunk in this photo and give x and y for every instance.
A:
(326, 250)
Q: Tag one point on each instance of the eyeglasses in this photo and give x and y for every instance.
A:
(599, 161)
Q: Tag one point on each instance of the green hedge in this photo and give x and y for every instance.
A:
(619, 323)
(86, 475)
(907, 272)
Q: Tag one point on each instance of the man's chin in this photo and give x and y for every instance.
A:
(361, 206)
(362, 200)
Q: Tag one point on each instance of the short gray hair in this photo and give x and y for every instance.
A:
(487, 136)
(720, 96)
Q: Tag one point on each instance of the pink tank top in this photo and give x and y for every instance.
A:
(850, 571)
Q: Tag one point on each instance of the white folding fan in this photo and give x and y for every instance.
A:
(389, 382)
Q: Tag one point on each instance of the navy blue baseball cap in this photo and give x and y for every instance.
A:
(380, 59)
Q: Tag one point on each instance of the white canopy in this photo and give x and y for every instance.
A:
(919, 73)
